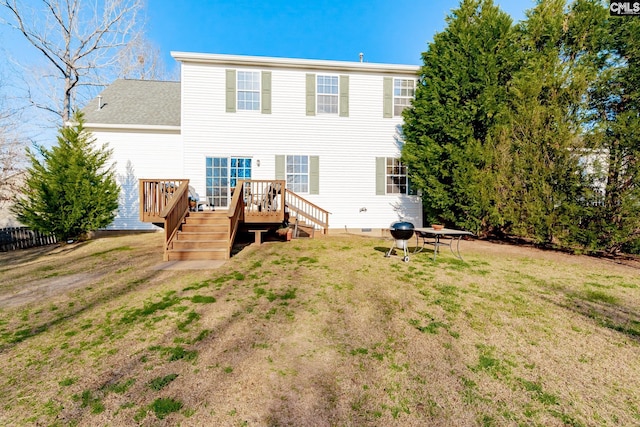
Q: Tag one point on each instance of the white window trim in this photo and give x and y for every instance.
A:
(287, 173)
(402, 97)
(337, 95)
(387, 175)
(259, 91)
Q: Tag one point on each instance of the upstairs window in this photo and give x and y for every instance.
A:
(403, 93)
(327, 90)
(249, 90)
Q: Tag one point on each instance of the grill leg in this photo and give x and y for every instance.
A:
(390, 250)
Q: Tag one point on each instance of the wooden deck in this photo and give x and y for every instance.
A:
(165, 202)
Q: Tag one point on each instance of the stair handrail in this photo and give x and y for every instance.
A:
(311, 212)
(236, 212)
(174, 213)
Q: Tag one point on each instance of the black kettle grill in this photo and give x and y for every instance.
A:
(401, 231)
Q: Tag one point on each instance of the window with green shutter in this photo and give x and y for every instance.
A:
(266, 92)
(280, 167)
(344, 96)
(248, 91)
(302, 173)
(311, 94)
(314, 175)
(403, 94)
(391, 176)
(380, 176)
(231, 91)
(387, 91)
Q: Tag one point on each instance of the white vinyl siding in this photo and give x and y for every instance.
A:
(345, 149)
(140, 155)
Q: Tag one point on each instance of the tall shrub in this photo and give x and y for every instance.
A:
(461, 97)
(70, 188)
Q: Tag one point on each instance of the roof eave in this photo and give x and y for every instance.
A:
(133, 127)
(308, 64)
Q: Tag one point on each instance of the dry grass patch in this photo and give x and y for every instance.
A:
(321, 332)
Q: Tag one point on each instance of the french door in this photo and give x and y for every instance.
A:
(223, 174)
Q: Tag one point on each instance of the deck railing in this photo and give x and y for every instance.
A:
(301, 207)
(155, 195)
(264, 200)
(236, 212)
(164, 202)
(174, 214)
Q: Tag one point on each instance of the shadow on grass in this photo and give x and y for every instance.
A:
(604, 310)
(25, 256)
(36, 329)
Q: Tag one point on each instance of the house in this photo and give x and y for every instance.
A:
(330, 131)
(8, 188)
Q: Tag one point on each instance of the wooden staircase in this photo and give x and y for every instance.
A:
(301, 228)
(202, 236)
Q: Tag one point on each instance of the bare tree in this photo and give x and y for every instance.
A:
(79, 39)
(12, 156)
(13, 142)
(11, 167)
(141, 59)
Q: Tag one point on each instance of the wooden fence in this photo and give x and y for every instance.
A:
(22, 238)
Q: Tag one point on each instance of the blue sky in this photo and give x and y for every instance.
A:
(386, 31)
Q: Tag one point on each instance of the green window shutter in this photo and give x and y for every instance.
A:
(231, 91)
(266, 92)
(387, 91)
(314, 175)
(344, 96)
(381, 185)
(280, 167)
(311, 94)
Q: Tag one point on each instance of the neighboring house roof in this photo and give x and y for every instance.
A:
(139, 103)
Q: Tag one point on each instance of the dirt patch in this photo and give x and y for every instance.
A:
(47, 288)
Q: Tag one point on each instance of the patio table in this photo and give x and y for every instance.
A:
(441, 237)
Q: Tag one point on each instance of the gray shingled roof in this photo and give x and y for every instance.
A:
(136, 102)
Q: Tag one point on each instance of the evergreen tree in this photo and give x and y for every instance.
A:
(461, 97)
(542, 151)
(70, 190)
(614, 114)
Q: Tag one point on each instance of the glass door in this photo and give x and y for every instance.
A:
(222, 176)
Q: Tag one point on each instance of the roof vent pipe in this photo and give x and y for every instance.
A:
(99, 102)
(361, 57)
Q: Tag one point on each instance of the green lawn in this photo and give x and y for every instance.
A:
(322, 332)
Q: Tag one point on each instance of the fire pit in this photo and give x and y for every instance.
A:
(401, 231)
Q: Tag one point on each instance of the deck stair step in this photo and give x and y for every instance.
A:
(202, 236)
(198, 254)
(302, 228)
